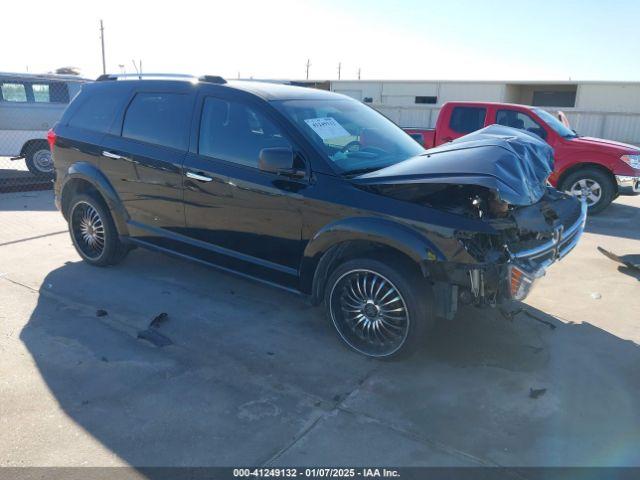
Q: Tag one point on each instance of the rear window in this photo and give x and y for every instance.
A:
(95, 113)
(467, 119)
(158, 118)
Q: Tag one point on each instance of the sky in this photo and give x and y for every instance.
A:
(405, 39)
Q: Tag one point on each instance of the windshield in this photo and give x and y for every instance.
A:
(354, 137)
(554, 123)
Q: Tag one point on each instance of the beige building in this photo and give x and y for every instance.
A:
(600, 109)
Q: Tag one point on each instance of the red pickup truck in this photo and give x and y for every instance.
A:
(596, 169)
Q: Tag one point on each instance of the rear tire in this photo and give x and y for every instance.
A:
(93, 231)
(39, 160)
(379, 310)
(597, 187)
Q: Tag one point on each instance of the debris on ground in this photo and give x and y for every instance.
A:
(154, 337)
(596, 295)
(616, 258)
(104, 359)
(537, 392)
(101, 313)
(511, 315)
(159, 320)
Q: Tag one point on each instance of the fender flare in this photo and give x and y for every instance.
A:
(91, 174)
(378, 230)
(586, 165)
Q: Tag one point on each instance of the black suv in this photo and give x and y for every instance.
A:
(313, 192)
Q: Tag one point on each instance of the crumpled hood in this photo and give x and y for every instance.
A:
(511, 162)
(616, 147)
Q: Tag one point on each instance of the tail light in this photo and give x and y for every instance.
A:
(51, 138)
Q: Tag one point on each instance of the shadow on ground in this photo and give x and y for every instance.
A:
(614, 221)
(257, 377)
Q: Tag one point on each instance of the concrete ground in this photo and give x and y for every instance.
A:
(255, 376)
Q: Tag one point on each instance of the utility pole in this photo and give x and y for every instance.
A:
(359, 73)
(104, 64)
(308, 65)
(339, 68)
(137, 68)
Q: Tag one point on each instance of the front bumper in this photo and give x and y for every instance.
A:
(526, 266)
(628, 184)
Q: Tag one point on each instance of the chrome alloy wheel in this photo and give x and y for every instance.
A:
(43, 161)
(588, 189)
(88, 229)
(369, 313)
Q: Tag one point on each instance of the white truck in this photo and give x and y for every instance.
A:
(30, 105)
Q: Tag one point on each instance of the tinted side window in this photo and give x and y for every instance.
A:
(236, 132)
(520, 120)
(13, 92)
(467, 119)
(158, 118)
(96, 112)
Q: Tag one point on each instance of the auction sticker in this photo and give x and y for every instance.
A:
(327, 128)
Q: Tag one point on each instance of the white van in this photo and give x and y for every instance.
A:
(29, 106)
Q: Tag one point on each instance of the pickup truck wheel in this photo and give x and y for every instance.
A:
(39, 160)
(93, 232)
(378, 310)
(593, 185)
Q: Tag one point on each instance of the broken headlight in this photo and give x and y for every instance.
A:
(521, 281)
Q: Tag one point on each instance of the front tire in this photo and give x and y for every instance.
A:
(39, 160)
(379, 310)
(595, 186)
(93, 232)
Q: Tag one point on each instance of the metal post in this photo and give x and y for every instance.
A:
(308, 65)
(104, 63)
(339, 68)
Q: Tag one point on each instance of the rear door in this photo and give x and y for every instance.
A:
(143, 155)
(463, 119)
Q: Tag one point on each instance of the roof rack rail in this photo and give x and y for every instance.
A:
(212, 79)
(141, 76)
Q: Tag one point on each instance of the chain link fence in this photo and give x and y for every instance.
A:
(30, 104)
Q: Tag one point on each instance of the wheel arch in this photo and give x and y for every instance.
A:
(584, 165)
(83, 177)
(29, 144)
(349, 238)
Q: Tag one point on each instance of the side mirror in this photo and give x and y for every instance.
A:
(278, 160)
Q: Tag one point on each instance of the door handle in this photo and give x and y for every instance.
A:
(199, 177)
(109, 154)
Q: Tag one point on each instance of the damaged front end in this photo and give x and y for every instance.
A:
(496, 176)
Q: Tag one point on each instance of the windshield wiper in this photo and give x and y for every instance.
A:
(359, 171)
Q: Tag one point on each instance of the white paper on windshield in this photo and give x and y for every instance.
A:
(327, 128)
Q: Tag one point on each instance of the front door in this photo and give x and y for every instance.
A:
(250, 216)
